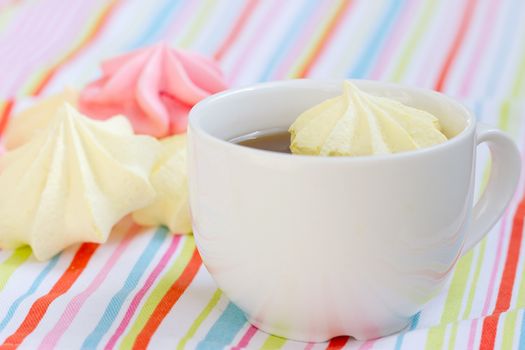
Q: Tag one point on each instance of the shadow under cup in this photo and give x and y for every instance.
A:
(315, 247)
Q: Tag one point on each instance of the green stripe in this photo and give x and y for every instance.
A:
(273, 343)
(472, 289)
(158, 293)
(504, 115)
(509, 326)
(519, 82)
(200, 20)
(8, 267)
(477, 272)
(198, 321)
(419, 29)
(436, 336)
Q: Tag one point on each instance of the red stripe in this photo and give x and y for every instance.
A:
(320, 46)
(237, 29)
(99, 25)
(6, 113)
(167, 301)
(40, 306)
(337, 343)
(489, 332)
(456, 45)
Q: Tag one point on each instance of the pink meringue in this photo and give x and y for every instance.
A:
(154, 87)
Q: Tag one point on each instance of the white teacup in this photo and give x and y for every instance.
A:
(315, 247)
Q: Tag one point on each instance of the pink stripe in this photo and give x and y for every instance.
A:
(309, 346)
(74, 306)
(142, 292)
(367, 345)
(394, 39)
(472, 334)
(295, 52)
(480, 50)
(245, 340)
(255, 41)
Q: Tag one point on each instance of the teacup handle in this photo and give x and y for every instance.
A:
(504, 177)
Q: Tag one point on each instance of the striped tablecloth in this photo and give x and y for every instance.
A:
(150, 288)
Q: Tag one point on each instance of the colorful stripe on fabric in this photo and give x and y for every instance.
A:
(178, 287)
(74, 306)
(363, 66)
(34, 286)
(224, 329)
(312, 55)
(287, 40)
(200, 319)
(91, 33)
(40, 306)
(456, 45)
(142, 292)
(159, 22)
(116, 302)
(9, 266)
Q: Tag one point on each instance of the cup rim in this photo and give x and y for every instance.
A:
(195, 127)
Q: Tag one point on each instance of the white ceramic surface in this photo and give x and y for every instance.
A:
(313, 247)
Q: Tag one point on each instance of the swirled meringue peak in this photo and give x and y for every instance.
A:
(23, 125)
(73, 182)
(154, 87)
(358, 124)
(170, 179)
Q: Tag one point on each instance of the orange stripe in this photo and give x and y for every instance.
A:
(337, 343)
(488, 336)
(6, 113)
(320, 46)
(101, 21)
(456, 45)
(40, 306)
(237, 29)
(167, 301)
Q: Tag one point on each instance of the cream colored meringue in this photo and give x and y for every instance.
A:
(169, 178)
(23, 125)
(357, 124)
(73, 181)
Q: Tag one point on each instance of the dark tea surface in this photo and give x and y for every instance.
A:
(268, 140)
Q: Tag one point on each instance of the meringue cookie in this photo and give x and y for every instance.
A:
(72, 182)
(358, 124)
(169, 178)
(23, 125)
(154, 87)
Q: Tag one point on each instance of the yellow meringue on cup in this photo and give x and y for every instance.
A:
(357, 124)
(72, 181)
(170, 180)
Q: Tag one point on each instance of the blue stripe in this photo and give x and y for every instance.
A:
(291, 34)
(224, 329)
(521, 345)
(413, 325)
(160, 21)
(120, 297)
(36, 283)
(363, 66)
(504, 46)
